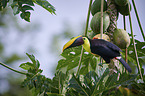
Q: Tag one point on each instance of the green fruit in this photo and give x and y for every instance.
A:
(104, 36)
(96, 22)
(124, 9)
(121, 2)
(96, 7)
(121, 38)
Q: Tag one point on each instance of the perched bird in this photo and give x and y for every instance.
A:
(105, 49)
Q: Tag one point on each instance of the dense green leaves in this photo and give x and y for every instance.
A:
(71, 59)
(32, 67)
(39, 83)
(24, 7)
(76, 84)
(93, 85)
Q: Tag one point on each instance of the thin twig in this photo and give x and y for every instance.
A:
(13, 69)
(101, 29)
(143, 35)
(88, 16)
(135, 51)
(86, 30)
(124, 20)
(80, 61)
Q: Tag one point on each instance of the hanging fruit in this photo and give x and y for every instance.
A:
(104, 36)
(121, 38)
(121, 2)
(96, 7)
(124, 9)
(96, 22)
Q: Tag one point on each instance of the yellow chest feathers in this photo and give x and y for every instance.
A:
(86, 44)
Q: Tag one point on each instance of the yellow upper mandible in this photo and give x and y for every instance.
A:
(70, 42)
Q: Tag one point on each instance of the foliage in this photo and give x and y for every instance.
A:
(90, 83)
(93, 78)
(39, 83)
(23, 7)
(71, 58)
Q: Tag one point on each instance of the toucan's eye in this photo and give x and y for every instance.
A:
(84, 38)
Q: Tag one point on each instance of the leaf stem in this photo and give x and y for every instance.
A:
(13, 69)
(86, 30)
(143, 35)
(135, 51)
(59, 86)
(80, 61)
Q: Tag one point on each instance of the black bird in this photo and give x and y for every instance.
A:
(105, 49)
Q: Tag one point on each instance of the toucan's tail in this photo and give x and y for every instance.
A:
(125, 65)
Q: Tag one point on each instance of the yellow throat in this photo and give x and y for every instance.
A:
(86, 44)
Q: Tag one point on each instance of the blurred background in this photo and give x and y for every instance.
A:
(44, 37)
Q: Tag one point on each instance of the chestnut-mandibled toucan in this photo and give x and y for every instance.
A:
(105, 49)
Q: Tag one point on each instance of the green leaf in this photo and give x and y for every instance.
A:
(26, 66)
(16, 10)
(89, 63)
(99, 83)
(84, 70)
(37, 64)
(53, 94)
(32, 58)
(45, 4)
(126, 79)
(60, 82)
(29, 2)
(4, 3)
(90, 79)
(70, 58)
(76, 84)
(25, 16)
(26, 7)
(111, 81)
(32, 68)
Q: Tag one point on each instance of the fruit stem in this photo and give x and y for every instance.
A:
(143, 35)
(135, 51)
(13, 69)
(124, 21)
(86, 30)
(101, 29)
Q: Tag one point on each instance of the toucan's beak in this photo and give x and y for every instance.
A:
(74, 42)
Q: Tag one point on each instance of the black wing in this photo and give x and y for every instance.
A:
(105, 49)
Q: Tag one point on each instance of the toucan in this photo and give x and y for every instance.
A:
(101, 47)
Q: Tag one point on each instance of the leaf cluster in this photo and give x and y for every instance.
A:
(71, 59)
(23, 7)
(94, 85)
(38, 83)
(90, 81)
